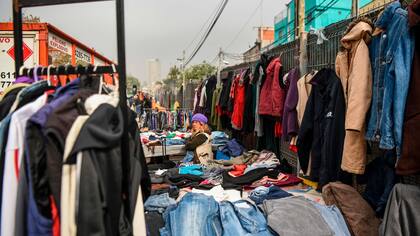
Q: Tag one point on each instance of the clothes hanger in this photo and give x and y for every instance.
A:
(48, 74)
(100, 79)
(21, 70)
(35, 73)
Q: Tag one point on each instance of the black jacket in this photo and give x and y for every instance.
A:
(210, 87)
(7, 102)
(224, 95)
(322, 131)
(101, 195)
(100, 190)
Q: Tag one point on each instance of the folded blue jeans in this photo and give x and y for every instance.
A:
(332, 215)
(195, 215)
(159, 202)
(189, 156)
(242, 218)
(262, 193)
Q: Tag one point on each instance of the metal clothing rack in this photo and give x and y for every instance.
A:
(121, 67)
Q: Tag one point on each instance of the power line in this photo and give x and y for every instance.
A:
(204, 25)
(246, 23)
(206, 35)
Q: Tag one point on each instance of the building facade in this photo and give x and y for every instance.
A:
(318, 14)
(153, 71)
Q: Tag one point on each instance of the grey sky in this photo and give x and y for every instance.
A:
(157, 28)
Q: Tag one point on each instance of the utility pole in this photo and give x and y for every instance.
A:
(184, 84)
(219, 67)
(301, 15)
(355, 8)
(303, 37)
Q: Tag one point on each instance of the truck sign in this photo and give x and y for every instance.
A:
(7, 56)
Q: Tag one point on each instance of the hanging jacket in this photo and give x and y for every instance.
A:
(304, 90)
(239, 101)
(210, 87)
(98, 147)
(321, 134)
(409, 163)
(289, 122)
(25, 96)
(56, 129)
(272, 95)
(391, 55)
(8, 98)
(353, 67)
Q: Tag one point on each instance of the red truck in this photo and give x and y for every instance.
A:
(44, 44)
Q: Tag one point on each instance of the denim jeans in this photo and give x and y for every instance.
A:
(332, 215)
(159, 202)
(242, 218)
(195, 215)
(189, 156)
(262, 193)
(391, 54)
(171, 142)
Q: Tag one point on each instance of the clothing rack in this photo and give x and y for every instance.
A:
(65, 70)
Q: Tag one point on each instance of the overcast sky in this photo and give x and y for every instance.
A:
(158, 28)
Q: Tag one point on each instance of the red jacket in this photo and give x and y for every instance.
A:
(272, 95)
(239, 105)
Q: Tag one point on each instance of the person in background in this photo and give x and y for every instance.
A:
(199, 142)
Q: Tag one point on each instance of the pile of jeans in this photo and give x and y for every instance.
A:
(219, 138)
(198, 214)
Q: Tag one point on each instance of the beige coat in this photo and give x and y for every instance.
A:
(354, 69)
(304, 90)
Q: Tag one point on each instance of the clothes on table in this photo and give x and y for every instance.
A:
(159, 203)
(238, 170)
(198, 214)
(266, 159)
(220, 156)
(220, 194)
(359, 215)
(335, 220)
(154, 221)
(230, 182)
(233, 148)
(195, 215)
(280, 180)
(242, 218)
(192, 169)
(262, 193)
(295, 216)
(242, 159)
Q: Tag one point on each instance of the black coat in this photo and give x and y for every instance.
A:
(321, 134)
(101, 195)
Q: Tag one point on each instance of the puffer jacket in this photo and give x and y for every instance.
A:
(272, 95)
(354, 69)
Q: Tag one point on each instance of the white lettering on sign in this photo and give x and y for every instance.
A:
(58, 43)
(82, 55)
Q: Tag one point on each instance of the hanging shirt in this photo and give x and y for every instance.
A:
(13, 158)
